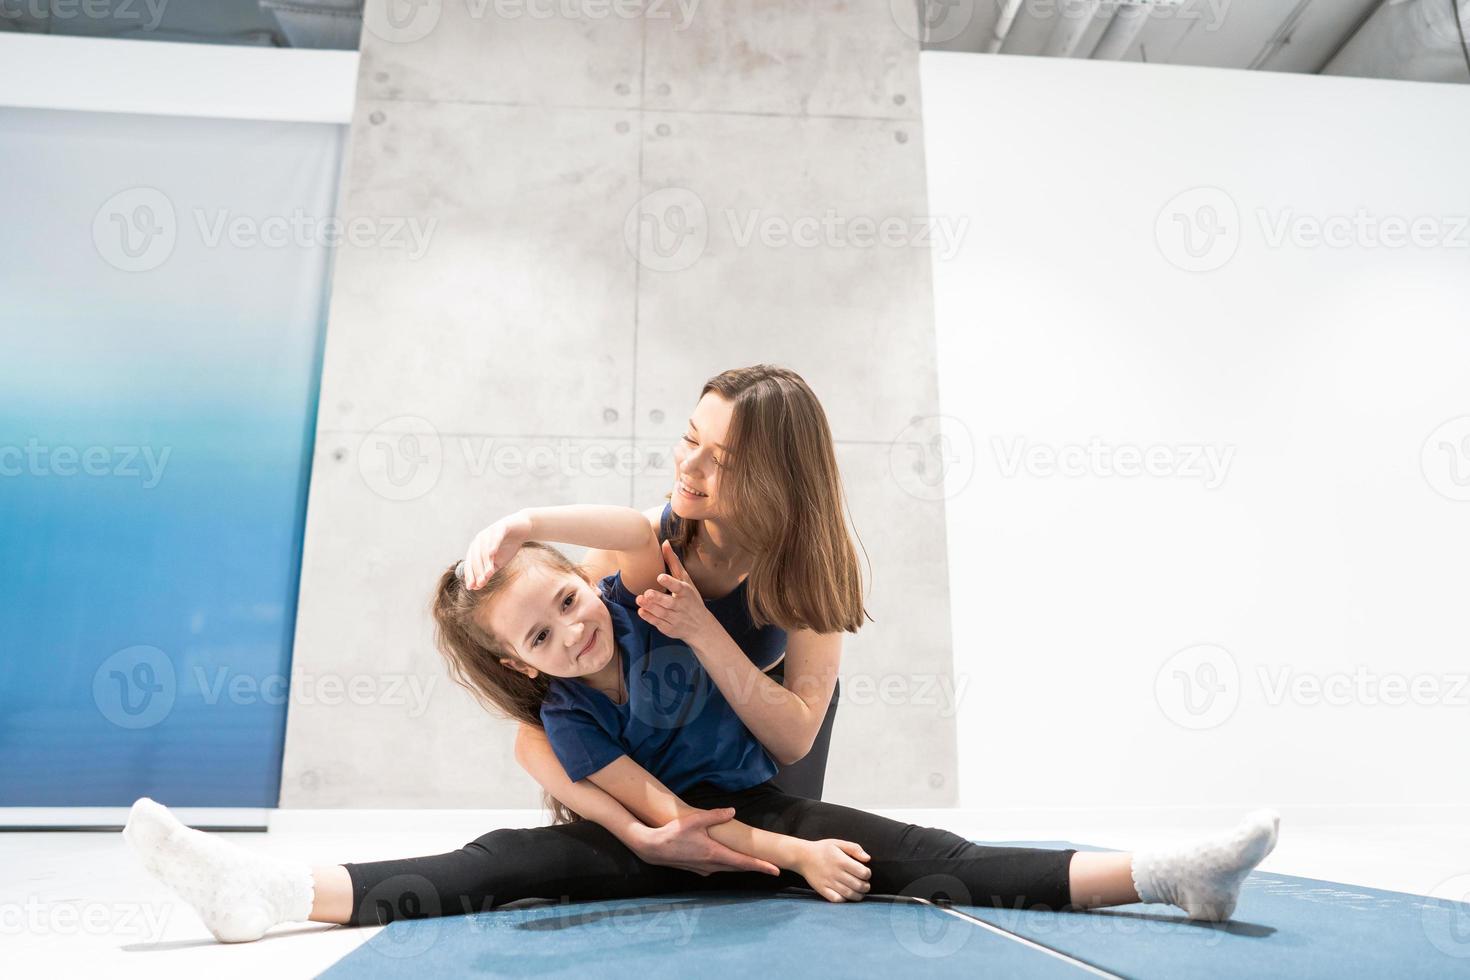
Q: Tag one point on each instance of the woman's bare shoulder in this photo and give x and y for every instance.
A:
(655, 515)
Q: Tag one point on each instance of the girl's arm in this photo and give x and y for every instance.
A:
(785, 720)
(622, 531)
(684, 843)
(833, 868)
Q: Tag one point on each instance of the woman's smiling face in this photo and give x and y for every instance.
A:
(698, 457)
(555, 622)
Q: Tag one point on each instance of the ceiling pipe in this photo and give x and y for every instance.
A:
(331, 24)
(1123, 29)
(1003, 26)
(1074, 17)
(1416, 40)
(1283, 34)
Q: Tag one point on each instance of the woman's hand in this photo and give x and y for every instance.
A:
(493, 547)
(680, 613)
(685, 843)
(835, 869)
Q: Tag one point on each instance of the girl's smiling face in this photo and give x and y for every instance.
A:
(699, 456)
(555, 622)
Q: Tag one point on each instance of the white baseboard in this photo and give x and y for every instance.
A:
(110, 817)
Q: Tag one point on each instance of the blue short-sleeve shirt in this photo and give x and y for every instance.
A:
(675, 722)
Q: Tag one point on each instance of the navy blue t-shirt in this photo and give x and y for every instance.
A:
(675, 722)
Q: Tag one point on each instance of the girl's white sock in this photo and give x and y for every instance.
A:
(1204, 879)
(239, 895)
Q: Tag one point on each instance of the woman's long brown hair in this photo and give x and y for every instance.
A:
(473, 654)
(781, 495)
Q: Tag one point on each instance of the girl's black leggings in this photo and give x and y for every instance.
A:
(584, 862)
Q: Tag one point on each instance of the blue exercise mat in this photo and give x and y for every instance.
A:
(730, 934)
(1283, 926)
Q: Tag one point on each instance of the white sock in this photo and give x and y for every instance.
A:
(239, 895)
(1204, 879)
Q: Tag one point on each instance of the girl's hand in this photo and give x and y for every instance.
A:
(493, 547)
(835, 869)
(680, 613)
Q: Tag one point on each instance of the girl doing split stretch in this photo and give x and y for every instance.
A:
(641, 722)
(634, 713)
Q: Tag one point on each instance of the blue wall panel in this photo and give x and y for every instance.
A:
(159, 387)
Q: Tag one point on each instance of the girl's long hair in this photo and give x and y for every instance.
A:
(781, 495)
(473, 654)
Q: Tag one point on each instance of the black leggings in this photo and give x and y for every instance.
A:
(583, 862)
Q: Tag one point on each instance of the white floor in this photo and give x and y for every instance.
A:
(78, 904)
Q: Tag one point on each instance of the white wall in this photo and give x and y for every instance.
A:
(1335, 539)
(158, 78)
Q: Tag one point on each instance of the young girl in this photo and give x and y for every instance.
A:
(632, 711)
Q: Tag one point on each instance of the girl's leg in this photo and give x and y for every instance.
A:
(914, 861)
(331, 894)
(580, 861)
(1203, 879)
(240, 894)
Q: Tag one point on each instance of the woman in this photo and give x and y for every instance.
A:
(756, 519)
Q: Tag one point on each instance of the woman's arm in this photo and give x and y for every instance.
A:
(682, 843)
(785, 720)
(833, 868)
(621, 531)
